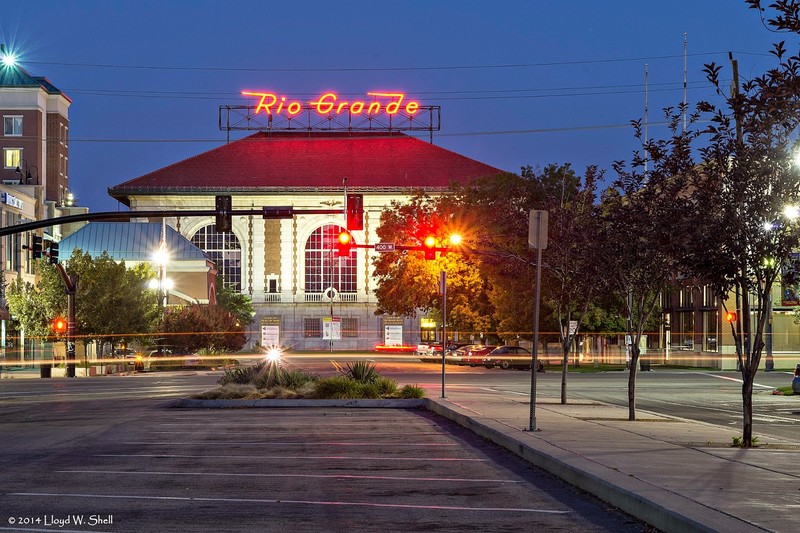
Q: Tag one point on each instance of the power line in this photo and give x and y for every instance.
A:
(373, 69)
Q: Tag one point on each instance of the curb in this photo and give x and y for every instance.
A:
(227, 404)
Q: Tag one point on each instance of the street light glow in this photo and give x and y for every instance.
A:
(792, 212)
(455, 239)
(9, 60)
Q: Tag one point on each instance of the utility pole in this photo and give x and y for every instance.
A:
(70, 286)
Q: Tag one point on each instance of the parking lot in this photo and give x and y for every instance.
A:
(339, 469)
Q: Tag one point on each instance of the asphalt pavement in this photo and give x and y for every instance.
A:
(673, 473)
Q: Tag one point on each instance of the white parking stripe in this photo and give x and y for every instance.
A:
(291, 502)
(301, 443)
(737, 380)
(282, 457)
(321, 476)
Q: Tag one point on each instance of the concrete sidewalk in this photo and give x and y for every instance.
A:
(676, 474)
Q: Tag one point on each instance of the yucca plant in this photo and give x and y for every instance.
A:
(361, 371)
(241, 375)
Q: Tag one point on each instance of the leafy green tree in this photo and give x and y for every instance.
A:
(238, 304)
(408, 284)
(203, 327)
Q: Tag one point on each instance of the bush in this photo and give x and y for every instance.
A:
(386, 386)
(233, 391)
(344, 388)
(361, 371)
(241, 375)
(410, 392)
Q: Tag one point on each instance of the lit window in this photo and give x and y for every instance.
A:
(226, 252)
(12, 157)
(324, 267)
(12, 126)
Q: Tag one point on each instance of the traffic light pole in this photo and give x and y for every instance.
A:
(69, 288)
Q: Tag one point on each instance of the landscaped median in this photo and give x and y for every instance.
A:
(270, 381)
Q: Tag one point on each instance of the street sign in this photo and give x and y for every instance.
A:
(537, 230)
(384, 247)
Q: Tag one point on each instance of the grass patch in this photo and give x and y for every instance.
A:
(784, 391)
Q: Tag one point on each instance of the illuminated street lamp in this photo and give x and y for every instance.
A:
(8, 58)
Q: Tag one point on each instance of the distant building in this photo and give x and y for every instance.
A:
(287, 266)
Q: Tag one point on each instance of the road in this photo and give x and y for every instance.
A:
(703, 395)
(110, 454)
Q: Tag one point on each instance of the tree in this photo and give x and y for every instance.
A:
(639, 212)
(497, 211)
(204, 327)
(408, 283)
(112, 302)
(238, 304)
(740, 192)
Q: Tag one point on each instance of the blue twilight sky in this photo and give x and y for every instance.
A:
(523, 82)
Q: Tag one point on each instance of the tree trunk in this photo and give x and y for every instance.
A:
(564, 363)
(747, 408)
(632, 383)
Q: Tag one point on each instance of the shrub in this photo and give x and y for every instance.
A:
(386, 386)
(295, 379)
(361, 371)
(241, 375)
(409, 392)
(344, 388)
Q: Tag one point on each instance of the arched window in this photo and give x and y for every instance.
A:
(324, 267)
(225, 251)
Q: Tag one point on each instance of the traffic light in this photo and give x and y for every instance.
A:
(343, 243)
(429, 245)
(37, 247)
(53, 253)
(730, 316)
(355, 212)
(224, 208)
(59, 325)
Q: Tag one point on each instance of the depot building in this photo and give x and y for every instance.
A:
(304, 295)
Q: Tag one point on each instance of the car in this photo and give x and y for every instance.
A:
(476, 353)
(456, 357)
(510, 357)
(429, 352)
(796, 380)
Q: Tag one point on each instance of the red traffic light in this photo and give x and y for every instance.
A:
(429, 245)
(343, 243)
(730, 316)
(59, 325)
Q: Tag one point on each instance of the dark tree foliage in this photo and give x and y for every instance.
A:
(639, 213)
(203, 327)
(741, 238)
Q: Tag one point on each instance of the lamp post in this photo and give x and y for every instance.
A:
(26, 175)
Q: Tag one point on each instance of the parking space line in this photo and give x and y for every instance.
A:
(321, 476)
(283, 457)
(737, 380)
(290, 502)
(299, 443)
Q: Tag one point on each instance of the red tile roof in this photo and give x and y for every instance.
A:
(319, 160)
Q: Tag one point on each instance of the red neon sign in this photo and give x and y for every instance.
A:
(329, 104)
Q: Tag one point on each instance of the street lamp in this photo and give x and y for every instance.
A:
(8, 58)
(27, 174)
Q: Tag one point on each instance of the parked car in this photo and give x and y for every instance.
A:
(796, 380)
(454, 357)
(510, 357)
(429, 353)
(476, 353)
